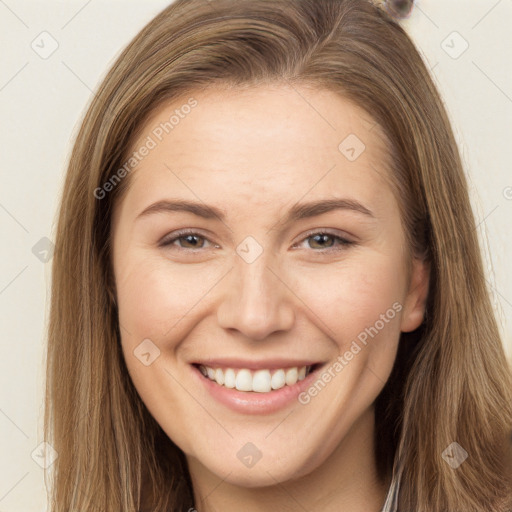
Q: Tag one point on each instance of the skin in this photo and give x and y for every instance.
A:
(255, 153)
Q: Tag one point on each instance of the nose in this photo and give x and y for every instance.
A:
(256, 300)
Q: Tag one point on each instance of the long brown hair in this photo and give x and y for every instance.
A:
(450, 383)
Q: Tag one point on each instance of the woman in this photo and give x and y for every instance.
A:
(267, 287)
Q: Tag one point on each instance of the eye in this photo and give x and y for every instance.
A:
(320, 238)
(191, 239)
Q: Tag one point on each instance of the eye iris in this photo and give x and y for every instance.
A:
(318, 239)
(189, 237)
(322, 238)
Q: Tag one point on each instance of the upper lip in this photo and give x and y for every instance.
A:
(252, 364)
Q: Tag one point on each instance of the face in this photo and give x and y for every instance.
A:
(257, 242)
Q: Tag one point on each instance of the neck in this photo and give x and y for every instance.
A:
(346, 481)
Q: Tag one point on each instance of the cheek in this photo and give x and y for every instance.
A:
(343, 298)
(348, 298)
(155, 295)
(158, 300)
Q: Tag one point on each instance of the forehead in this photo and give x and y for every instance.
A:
(259, 145)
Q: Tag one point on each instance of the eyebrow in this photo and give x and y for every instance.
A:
(297, 212)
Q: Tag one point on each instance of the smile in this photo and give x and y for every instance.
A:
(259, 381)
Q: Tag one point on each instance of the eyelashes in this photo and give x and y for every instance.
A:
(179, 235)
(339, 242)
(342, 242)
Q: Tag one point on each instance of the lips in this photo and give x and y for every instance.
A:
(251, 364)
(251, 393)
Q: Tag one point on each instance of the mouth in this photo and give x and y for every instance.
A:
(255, 387)
(263, 380)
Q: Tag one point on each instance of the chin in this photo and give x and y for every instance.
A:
(264, 473)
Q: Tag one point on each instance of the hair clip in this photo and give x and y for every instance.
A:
(399, 8)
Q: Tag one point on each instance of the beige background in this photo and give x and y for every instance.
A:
(42, 99)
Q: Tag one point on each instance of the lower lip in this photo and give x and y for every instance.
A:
(251, 402)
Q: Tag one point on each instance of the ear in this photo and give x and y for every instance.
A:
(416, 300)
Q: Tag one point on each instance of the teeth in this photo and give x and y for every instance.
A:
(291, 376)
(278, 379)
(259, 381)
(229, 378)
(243, 380)
(219, 376)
